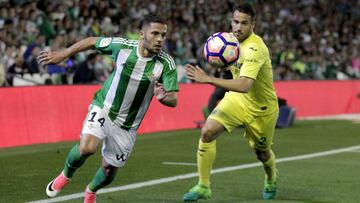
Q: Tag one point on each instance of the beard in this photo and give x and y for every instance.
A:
(151, 48)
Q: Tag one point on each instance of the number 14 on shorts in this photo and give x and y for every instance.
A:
(100, 120)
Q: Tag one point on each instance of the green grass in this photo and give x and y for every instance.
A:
(25, 171)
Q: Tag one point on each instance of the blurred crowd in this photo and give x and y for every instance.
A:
(307, 39)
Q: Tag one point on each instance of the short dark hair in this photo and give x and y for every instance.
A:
(248, 9)
(151, 18)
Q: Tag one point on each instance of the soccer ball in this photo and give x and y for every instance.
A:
(221, 49)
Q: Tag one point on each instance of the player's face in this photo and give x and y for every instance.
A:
(242, 25)
(154, 36)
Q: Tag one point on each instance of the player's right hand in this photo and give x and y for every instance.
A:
(50, 57)
(159, 91)
(195, 73)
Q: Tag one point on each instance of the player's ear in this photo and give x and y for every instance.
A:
(142, 34)
(253, 24)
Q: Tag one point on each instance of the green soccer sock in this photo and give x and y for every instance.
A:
(74, 161)
(101, 179)
(205, 159)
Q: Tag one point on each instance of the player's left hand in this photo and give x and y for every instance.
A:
(196, 74)
(159, 91)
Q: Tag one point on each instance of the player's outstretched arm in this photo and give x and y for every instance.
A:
(166, 98)
(195, 73)
(54, 57)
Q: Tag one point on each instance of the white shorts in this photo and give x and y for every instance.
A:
(117, 142)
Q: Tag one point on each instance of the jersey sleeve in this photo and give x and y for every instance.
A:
(169, 76)
(253, 58)
(113, 45)
(104, 45)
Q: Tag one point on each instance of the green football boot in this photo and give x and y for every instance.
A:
(269, 191)
(196, 193)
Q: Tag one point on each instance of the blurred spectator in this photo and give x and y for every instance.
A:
(9, 58)
(17, 68)
(85, 73)
(307, 38)
(39, 42)
(103, 67)
(2, 75)
(31, 61)
(355, 62)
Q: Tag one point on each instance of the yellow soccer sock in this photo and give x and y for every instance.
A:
(205, 158)
(270, 167)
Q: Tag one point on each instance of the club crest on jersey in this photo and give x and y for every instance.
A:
(151, 76)
(105, 42)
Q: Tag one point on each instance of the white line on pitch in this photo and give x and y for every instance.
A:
(179, 163)
(192, 175)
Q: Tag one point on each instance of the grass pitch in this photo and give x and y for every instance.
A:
(25, 171)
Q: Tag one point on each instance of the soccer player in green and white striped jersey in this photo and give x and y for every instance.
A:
(142, 71)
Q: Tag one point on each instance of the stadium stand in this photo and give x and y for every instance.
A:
(308, 39)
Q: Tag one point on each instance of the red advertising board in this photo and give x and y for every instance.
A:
(42, 114)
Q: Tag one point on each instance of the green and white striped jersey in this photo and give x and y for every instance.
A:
(127, 93)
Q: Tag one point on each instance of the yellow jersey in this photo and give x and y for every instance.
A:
(254, 62)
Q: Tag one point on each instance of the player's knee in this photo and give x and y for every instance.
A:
(87, 149)
(88, 144)
(263, 156)
(207, 135)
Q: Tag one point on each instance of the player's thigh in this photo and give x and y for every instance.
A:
(94, 129)
(229, 114)
(117, 142)
(260, 131)
(118, 146)
(96, 122)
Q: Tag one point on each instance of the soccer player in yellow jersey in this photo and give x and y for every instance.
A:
(251, 101)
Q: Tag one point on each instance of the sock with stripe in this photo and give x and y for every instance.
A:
(205, 158)
(270, 167)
